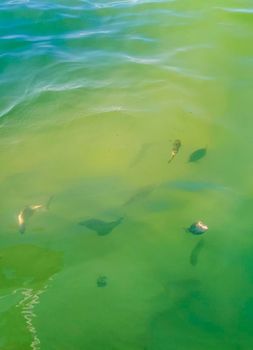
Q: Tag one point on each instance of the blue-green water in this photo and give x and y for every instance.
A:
(93, 95)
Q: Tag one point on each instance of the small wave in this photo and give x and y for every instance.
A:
(236, 10)
(127, 3)
(188, 48)
(17, 2)
(139, 38)
(73, 35)
(141, 60)
(72, 86)
(49, 88)
(39, 5)
(6, 110)
(126, 110)
(14, 36)
(81, 34)
(68, 15)
(187, 73)
(85, 5)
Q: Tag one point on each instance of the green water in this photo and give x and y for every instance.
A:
(93, 95)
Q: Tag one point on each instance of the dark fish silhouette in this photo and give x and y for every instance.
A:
(175, 148)
(101, 227)
(141, 154)
(198, 154)
(182, 288)
(193, 186)
(195, 252)
(142, 193)
(102, 281)
(48, 204)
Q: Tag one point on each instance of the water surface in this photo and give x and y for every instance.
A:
(93, 95)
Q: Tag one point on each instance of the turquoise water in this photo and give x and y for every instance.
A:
(93, 95)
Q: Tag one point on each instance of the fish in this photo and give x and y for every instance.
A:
(141, 194)
(25, 215)
(197, 228)
(195, 252)
(181, 288)
(141, 154)
(175, 148)
(28, 211)
(101, 227)
(101, 281)
(197, 155)
(194, 186)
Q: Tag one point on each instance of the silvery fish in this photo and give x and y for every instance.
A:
(175, 148)
(198, 228)
(25, 214)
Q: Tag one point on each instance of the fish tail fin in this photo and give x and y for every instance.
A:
(171, 158)
(22, 228)
(48, 203)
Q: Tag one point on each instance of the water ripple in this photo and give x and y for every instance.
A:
(85, 5)
(187, 73)
(236, 10)
(72, 35)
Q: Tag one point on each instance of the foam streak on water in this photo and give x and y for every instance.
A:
(31, 297)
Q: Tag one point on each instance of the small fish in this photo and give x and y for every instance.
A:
(198, 228)
(28, 211)
(195, 252)
(101, 227)
(175, 148)
(194, 186)
(198, 154)
(141, 154)
(25, 215)
(141, 194)
(102, 281)
(181, 288)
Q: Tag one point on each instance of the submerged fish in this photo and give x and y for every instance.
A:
(192, 186)
(102, 281)
(198, 154)
(101, 227)
(195, 252)
(141, 194)
(141, 154)
(198, 228)
(175, 148)
(179, 289)
(25, 214)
